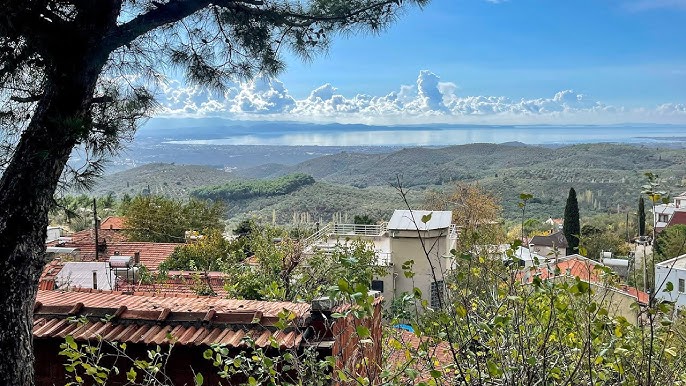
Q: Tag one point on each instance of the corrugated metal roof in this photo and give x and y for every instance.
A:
(80, 274)
(412, 220)
(152, 319)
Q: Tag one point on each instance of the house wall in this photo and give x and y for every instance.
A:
(665, 274)
(549, 252)
(617, 303)
(410, 248)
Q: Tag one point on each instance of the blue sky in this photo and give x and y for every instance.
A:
(623, 56)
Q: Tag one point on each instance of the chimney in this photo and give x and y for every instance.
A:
(137, 258)
(95, 279)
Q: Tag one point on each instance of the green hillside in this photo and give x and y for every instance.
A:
(607, 178)
(163, 179)
(247, 189)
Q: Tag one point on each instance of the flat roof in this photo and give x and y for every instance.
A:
(406, 220)
(678, 262)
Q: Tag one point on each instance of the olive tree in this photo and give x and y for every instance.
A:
(79, 74)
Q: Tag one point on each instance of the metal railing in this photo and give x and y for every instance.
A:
(453, 232)
(318, 235)
(383, 259)
(360, 229)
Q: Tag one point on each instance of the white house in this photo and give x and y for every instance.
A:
(401, 239)
(671, 271)
(671, 213)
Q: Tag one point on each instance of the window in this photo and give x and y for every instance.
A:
(377, 285)
(437, 292)
(682, 285)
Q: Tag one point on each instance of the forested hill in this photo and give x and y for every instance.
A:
(435, 166)
(607, 178)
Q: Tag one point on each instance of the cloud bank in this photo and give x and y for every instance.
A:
(428, 100)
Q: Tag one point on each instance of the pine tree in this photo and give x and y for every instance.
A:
(641, 217)
(82, 74)
(572, 226)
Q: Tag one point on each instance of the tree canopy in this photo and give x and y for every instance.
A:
(78, 74)
(641, 217)
(164, 220)
(671, 243)
(572, 225)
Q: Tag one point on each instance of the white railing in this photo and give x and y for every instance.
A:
(360, 229)
(316, 236)
(383, 259)
(453, 232)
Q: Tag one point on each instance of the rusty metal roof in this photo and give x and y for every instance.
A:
(153, 319)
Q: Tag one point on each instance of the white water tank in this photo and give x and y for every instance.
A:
(120, 261)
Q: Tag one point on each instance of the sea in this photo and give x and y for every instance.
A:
(359, 135)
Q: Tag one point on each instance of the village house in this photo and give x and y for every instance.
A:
(554, 244)
(405, 237)
(671, 271)
(194, 324)
(671, 213)
(619, 299)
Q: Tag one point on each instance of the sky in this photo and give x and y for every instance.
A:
(480, 61)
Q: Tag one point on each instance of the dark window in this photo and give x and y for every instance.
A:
(437, 290)
(377, 285)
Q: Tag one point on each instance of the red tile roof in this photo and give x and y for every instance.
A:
(114, 242)
(49, 274)
(151, 254)
(181, 282)
(581, 267)
(437, 353)
(150, 319)
(87, 236)
(642, 297)
(114, 223)
(679, 217)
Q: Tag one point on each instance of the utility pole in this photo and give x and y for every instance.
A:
(96, 223)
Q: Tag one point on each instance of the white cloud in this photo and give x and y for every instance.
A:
(263, 96)
(428, 100)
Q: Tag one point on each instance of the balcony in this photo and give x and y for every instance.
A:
(359, 229)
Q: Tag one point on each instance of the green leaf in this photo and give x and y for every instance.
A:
(669, 287)
(363, 332)
(70, 341)
(199, 380)
(427, 217)
(131, 375)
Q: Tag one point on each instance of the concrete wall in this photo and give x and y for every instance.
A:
(663, 275)
(410, 248)
(548, 252)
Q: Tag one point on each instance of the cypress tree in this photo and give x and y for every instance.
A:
(572, 226)
(641, 217)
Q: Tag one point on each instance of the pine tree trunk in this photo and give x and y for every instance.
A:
(26, 192)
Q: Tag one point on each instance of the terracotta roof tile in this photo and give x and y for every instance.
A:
(679, 217)
(439, 351)
(189, 320)
(49, 274)
(114, 223)
(581, 267)
(181, 283)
